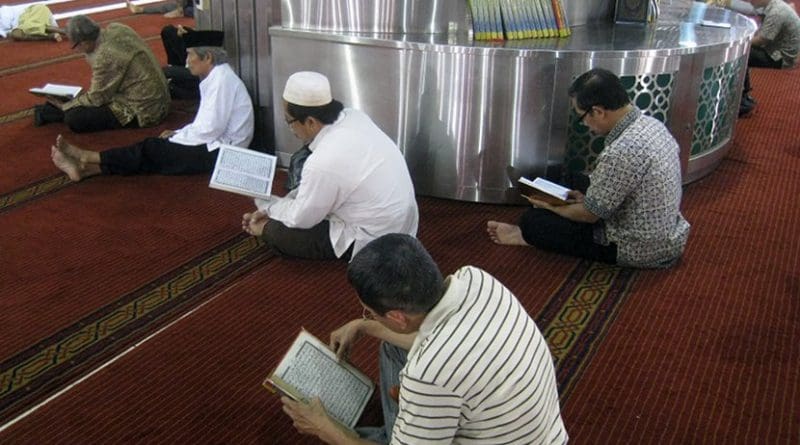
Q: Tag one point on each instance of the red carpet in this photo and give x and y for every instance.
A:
(703, 353)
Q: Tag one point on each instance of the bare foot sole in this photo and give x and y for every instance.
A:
(505, 234)
(66, 164)
(57, 37)
(174, 14)
(135, 9)
(67, 149)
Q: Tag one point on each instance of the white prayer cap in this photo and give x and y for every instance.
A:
(307, 89)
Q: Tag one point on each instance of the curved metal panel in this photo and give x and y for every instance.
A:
(401, 16)
(463, 112)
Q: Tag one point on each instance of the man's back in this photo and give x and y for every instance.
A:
(781, 27)
(479, 372)
(127, 77)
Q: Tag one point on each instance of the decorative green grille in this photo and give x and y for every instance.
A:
(717, 106)
(651, 93)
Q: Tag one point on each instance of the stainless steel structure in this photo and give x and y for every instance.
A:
(464, 111)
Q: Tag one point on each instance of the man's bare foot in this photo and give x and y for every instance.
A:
(134, 9)
(506, 234)
(175, 13)
(57, 37)
(68, 149)
(66, 164)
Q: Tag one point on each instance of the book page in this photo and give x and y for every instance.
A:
(243, 171)
(312, 370)
(551, 188)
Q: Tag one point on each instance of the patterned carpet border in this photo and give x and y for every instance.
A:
(578, 315)
(29, 376)
(38, 189)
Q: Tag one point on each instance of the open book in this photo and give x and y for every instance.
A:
(66, 92)
(544, 190)
(310, 369)
(243, 171)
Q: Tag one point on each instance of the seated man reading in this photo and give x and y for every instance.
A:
(354, 187)
(225, 116)
(470, 362)
(630, 214)
(128, 89)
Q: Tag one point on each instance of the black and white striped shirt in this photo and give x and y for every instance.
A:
(479, 372)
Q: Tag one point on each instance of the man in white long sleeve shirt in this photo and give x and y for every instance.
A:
(225, 116)
(354, 186)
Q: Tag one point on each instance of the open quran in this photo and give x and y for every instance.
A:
(64, 92)
(310, 369)
(544, 190)
(244, 171)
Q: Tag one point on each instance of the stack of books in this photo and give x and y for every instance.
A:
(518, 19)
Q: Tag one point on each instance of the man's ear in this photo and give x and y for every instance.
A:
(398, 318)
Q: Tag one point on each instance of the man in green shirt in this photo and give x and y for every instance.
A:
(128, 88)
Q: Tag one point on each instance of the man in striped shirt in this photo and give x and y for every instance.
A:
(476, 371)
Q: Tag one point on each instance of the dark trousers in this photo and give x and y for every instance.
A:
(758, 58)
(83, 119)
(173, 46)
(158, 156)
(312, 244)
(182, 84)
(547, 231)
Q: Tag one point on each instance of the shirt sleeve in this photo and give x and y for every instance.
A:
(770, 27)
(107, 75)
(212, 117)
(428, 414)
(614, 178)
(315, 199)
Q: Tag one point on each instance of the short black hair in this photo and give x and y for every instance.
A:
(327, 114)
(395, 272)
(598, 87)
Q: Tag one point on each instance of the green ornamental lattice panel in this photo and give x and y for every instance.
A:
(716, 107)
(651, 93)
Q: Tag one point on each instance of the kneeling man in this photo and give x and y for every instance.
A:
(225, 116)
(354, 186)
(471, 364)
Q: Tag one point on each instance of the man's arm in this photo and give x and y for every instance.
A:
(107, 75)
(574, 212)
(311, 418)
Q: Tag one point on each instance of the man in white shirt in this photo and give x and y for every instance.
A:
(354, 186)
(225, 116)
(471, 365)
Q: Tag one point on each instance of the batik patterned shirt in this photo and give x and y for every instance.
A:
(781, 28)
(635, 189)
(127, 77)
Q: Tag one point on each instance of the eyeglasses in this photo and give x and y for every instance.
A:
(367, 314)
(585, 113)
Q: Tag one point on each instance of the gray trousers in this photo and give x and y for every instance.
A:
(391, 361)
(313, 243)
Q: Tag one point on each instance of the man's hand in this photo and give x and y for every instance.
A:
(166, 134)
(574, 196)
(181, 30)
(310, 418)
(342, 339)
(56, 101)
